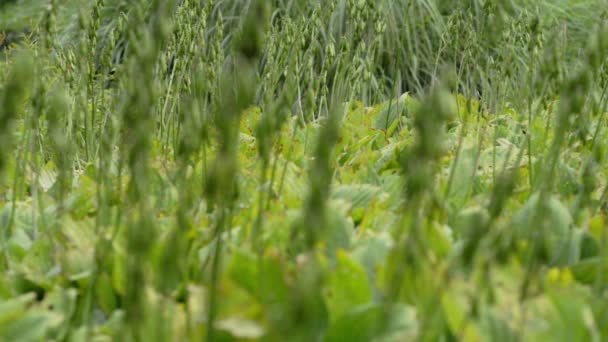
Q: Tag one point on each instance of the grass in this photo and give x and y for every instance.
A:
(302, 170)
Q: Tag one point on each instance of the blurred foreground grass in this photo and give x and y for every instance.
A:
(303, 170)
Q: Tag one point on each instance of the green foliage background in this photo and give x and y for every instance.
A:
(338, 170)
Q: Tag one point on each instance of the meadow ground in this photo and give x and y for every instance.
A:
(339, 170)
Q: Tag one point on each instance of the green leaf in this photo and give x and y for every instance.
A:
(309, 313)
(362, 324)
(590, 270)
(469, 218)
(390, 111)
(79, 247)
(359, 195)
(32, 327)
(263, 280)
(15, 307)
(64, 303)
(454, 311)
(389, 157)
(555, 231)
(401, 325)
(573, 320)
(19, 244)
(47, 176)
(372, 251)
(590, 247)
(359, 324)
(496, 329)
(348, 286)
(463, 177)
(21, 320)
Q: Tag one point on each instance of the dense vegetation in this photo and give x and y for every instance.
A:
(303, 170)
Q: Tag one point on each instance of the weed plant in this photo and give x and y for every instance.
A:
(337, 170)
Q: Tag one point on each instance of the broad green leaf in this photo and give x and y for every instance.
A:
(264, 280)
(558, 225)
(463, 177)
(47, 176)
(590, 270)
(572, 320)
(388, 158)
(15, 307)
(19, 244)
(348, 286)
(37, 271)
(338, 234)
(392, 184)
(391, 110)
(455, 310)
(589, 246)
(496, 329)
(370, 322)
(371, 250)
(308, 313)
(31, 327)
(63, 302)
(359, 195)
(79, 247)
(358, 324)
(469, 218)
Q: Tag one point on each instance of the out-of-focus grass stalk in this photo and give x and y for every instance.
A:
(419, 166)
(12, 97)
(574, 96)
(236, 93)
(148, 30)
